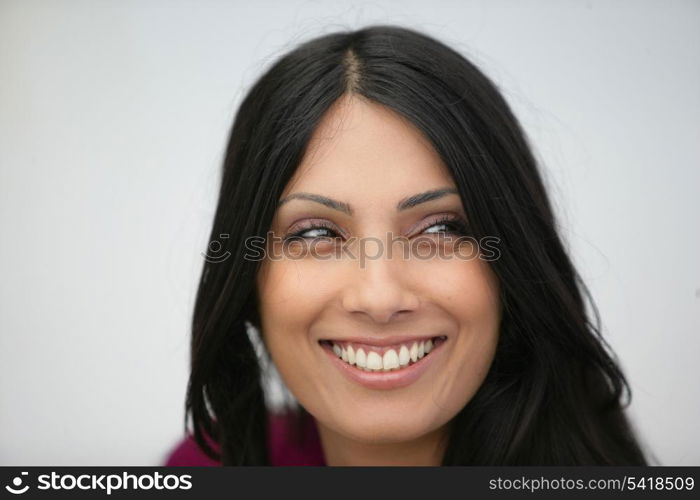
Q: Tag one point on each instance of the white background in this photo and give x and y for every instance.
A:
(113, 121)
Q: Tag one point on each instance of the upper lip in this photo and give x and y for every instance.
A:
(382, 341)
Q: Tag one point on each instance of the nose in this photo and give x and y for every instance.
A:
(379, 289)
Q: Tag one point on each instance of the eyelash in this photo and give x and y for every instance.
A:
(458, 225)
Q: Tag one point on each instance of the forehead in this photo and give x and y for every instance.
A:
(361, 147)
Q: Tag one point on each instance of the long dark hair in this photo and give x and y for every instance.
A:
(554, 394)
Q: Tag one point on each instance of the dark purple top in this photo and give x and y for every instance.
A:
(282, 447)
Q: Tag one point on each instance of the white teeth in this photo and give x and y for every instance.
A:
(360, 358)
(374, 361)
(404, 356)
(390, 360)
(351, 355)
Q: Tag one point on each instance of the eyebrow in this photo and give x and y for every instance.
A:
(403, 204)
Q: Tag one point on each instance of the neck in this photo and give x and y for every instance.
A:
(342, 451)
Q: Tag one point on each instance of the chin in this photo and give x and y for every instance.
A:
(378, 428)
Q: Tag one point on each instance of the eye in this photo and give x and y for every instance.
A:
(317, 230)
(451, 223)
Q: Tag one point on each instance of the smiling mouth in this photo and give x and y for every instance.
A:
(383, 359)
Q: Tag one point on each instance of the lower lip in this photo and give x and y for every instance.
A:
(393, 379)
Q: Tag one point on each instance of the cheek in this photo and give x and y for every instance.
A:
(293, 286)
(466, 289)
(291, 296)
(468, 292)
(291, 292)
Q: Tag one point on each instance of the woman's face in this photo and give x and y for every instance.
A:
(312, 294)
